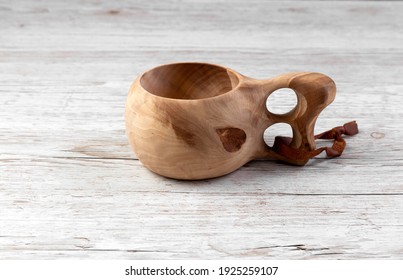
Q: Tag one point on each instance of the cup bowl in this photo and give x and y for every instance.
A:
(199, 120)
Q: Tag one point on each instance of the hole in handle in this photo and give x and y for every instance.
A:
(277, 129)
(281, 101)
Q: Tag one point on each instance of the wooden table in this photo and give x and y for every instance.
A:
(70, 187)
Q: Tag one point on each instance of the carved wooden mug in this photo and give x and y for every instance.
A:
(198, 120)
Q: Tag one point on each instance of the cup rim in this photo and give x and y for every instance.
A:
(233, 72)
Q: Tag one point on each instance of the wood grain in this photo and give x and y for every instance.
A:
(199, 121)
(70, 189)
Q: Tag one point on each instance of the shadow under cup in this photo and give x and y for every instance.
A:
(189, 81)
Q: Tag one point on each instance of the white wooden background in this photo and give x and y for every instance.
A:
(70, 186)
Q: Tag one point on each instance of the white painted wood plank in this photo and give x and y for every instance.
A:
(199, 219)
(71, 188)
(225, 25)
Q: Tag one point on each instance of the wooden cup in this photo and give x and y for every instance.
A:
(198, 120)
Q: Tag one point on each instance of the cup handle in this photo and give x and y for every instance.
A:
(314, 92)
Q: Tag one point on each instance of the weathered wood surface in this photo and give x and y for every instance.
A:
(69, 184)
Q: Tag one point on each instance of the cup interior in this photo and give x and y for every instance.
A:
(189, 80)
